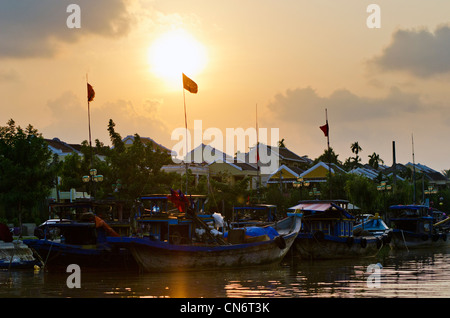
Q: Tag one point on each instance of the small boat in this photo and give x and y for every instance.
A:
(327, 232)
(251, 215)
(372, 225)
(79, 237)
(179, 240)
(13, 253)
(16, 255)
(414, 227)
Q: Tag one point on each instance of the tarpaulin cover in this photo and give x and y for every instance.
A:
(253, 231)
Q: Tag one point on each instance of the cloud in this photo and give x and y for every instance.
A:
(68, 119)
(302, 104)
(33, 28)
(372, 121)
(418, 52)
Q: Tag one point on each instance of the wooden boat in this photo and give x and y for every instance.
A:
(79, 237)
(258, 214)
(16, 255)
(327, 232)
(13, 253)
(372, 225)
(415, 227)
(180, 241)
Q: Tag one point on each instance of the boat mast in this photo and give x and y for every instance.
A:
(258, 175)
(414, 170)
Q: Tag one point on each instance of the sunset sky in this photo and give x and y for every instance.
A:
(292, 58)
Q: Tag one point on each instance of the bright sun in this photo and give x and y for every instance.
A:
(174, 53)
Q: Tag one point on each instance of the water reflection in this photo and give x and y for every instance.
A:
(403, 274)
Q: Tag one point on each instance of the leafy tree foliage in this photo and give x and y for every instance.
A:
(27, 171)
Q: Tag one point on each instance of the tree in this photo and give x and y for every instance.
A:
(362, 192)
(26, 169)
(356, 148)
(328, 156)
(375, 160)
(353, 162)
(136, 168)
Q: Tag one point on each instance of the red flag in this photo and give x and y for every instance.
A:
(90, 93)
(325, 128)
(178, 199)
(189, 85)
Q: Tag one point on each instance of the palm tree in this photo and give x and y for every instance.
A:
(356, 148)
(375, 160)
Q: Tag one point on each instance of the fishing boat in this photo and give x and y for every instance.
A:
(327, 232)
(414, 227)
(13, 253)
(78, 236)
(16, 255)
(179, 240)
(372, 225)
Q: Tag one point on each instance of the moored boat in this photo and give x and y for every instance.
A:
(79, 237)
(372, 225)
(415, 227)
(327, 232)
(13, 253)
(180, 241)
(258, 214)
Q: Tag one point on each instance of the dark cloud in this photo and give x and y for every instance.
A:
(30, 28)
(302, 104)
(419, 52)
(372, 121)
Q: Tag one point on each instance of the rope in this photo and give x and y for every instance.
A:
(404, 241)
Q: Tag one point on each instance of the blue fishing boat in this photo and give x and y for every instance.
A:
(16, 255)
(372, 225)
(327, 232)
(414, 227)
(179, 240)
(13, 253)
(79, 237)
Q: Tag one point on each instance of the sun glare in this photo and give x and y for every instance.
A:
(174, 53)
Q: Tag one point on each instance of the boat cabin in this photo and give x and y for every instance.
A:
(412, 218)
(326, 217)
(160, 219)
(77, 223)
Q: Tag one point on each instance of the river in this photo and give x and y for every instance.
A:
(414, 273)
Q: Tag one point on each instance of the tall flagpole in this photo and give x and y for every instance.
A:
(185, 125)
(258, 175)
(328, 146)
(414, 170)
(89, 117)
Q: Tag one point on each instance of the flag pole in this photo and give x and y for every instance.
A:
(328, 146)
(258, 175)
(89, 117)
(185, 125)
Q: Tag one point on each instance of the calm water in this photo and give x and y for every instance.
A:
(404, 274)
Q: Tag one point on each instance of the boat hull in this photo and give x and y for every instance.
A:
(404, 239)
(57, 256)
(16, 255)
(331, 247)
(156, 256)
